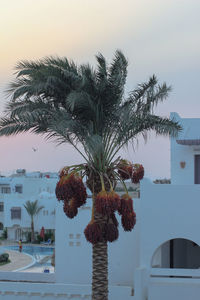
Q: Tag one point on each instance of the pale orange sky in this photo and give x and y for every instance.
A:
(157, 36)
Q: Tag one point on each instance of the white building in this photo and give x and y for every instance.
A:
(159, 259)
(19, 188)
(169, 240)
(161, 256)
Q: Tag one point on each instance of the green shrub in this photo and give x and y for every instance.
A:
(4, 257)
(162, 181)
(47, 236)
(119, 189)
(5, 233)
(39, 239)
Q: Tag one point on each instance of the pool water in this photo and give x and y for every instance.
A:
(33, 250)
(41, 255)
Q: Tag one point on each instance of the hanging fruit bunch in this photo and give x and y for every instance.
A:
(71, 190)
(125, 169)
(138, 173)
(106, 202)
(103, 225)
(128, 216)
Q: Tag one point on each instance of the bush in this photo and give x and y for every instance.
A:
(119, 189)
(5, 233)
(47, 236)
(39, 239)
(4, 257)
(162, 181)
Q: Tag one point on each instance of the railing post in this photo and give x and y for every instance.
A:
(141, 284)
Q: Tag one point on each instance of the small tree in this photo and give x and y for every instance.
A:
(32, 209)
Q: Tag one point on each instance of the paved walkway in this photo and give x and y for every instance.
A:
(18, 261)
(38, 269)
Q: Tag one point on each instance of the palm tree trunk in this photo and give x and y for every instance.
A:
(100, 271)
(99, 264)
(32, 231)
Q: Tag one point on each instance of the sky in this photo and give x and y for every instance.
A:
(158, 37)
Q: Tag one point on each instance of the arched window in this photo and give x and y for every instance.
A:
(177, 253)
(1, 226)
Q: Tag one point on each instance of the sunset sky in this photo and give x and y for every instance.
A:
(159, 37)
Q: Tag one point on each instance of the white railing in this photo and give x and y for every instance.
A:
(27, 277)
(43, 291)
(174, 284)
(184, 273)
(40, 291)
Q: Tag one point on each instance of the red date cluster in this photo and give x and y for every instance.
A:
(71, 190)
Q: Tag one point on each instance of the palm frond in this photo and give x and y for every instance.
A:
(12, 126)
(82, 105)
(137, 95)
(102, 71)
(118, 73)
(32, 207)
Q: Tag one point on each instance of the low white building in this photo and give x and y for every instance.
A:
(19, 188)
(161, 256)
(169, 264)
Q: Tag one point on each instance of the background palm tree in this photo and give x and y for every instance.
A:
(85, 106)
(32, 209)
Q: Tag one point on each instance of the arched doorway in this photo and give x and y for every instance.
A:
(177, 253)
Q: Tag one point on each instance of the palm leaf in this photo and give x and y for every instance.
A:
(81, 105)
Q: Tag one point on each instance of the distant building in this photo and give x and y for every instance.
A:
(15, 191)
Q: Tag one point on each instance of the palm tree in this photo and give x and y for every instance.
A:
(80, 105)
(32, 209)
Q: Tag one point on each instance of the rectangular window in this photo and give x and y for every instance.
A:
(16, 213)
(197, 169)
(45, 212)
(18, 189)
(1, 206)
(5, 190)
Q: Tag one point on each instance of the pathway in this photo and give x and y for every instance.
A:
(18, 261)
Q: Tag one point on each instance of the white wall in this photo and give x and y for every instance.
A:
(167, 212)
(174, 289)
(74, 263)
(184, 153)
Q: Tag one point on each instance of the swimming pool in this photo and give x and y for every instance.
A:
(32, 250)
(41, 257)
